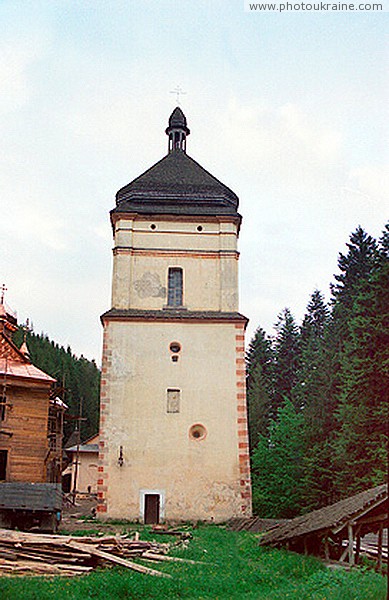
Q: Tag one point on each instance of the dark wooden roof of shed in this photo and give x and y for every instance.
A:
(332, 517)
(254, 524)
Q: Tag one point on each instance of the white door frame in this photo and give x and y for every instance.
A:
(143, 493)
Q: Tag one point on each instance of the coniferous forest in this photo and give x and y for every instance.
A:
(79, 378)
(318, 393)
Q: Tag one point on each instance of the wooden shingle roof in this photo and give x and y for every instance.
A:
(177, 184)
(330, 518)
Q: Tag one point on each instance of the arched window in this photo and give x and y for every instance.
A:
(175, 287)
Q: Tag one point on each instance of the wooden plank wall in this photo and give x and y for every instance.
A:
(27, 420)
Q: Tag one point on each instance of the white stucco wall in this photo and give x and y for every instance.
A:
(199, 478)
(142, 257)
(195, 478)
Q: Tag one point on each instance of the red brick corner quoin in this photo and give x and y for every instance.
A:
(104, 411)
(242, 427)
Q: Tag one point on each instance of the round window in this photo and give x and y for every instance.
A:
(199, 228)
(197, 432)
(175, 347)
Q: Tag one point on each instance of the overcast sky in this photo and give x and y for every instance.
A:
(289, 110)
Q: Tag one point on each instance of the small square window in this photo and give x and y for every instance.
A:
(173, 401)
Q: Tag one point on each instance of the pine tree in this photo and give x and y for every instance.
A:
(313, 376)
(287, 359)
(361, 444)
(277, 466)
(355, 268)
(260, 368)
(79, 376)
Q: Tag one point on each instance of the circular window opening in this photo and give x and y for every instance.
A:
(175, 347)
(153, 226)
(199, 228)
(175, 357)
(197, 432)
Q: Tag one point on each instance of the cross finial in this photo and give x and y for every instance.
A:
(178, 91)
(26, 329)
(3, 289)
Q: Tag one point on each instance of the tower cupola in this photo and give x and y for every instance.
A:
(177, 130)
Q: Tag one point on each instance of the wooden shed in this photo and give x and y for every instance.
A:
(335, 531)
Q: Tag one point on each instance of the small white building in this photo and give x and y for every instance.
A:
(85, 469)
(173, 423)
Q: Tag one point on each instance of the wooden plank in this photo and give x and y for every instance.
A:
(117, 560)
(164, 557)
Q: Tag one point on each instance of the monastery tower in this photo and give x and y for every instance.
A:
(173, 429)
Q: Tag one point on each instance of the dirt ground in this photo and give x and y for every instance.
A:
(73, 517)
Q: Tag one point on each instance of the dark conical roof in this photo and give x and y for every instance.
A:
(177, 184)
(177, 118)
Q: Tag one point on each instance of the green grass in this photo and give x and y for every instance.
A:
(236, 569)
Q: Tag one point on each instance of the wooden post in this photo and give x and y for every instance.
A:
(326, 549)
(75, 482)
(379, 548)
(358, 544)
(305, 545)
(350, 545)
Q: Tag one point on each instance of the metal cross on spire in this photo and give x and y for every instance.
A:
(3, 289)
(178, 91)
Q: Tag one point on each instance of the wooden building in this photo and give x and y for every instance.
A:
(30, 419)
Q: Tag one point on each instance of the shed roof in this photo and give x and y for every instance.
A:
(86, 448)
(332, 517)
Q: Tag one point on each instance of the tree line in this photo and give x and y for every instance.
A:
(78, 379)
(317, 393)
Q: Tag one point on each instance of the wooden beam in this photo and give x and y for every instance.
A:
(379, 548)
(344, 554)
(326, 548)
(374, 504)
(377, 519)
(116, 559)
(350, 545)
(305, 545)
(357, 548)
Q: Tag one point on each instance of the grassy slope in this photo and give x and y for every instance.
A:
(237, 569)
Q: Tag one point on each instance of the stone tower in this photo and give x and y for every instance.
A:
(173, 429)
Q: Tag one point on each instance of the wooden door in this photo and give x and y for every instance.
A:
(3, 464)
(151, 509)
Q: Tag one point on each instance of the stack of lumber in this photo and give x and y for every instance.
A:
(40, 554)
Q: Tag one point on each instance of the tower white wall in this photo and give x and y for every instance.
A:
(197, 478)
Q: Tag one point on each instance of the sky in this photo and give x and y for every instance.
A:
(289, 110)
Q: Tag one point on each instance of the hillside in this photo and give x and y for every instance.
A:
(79, 376)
